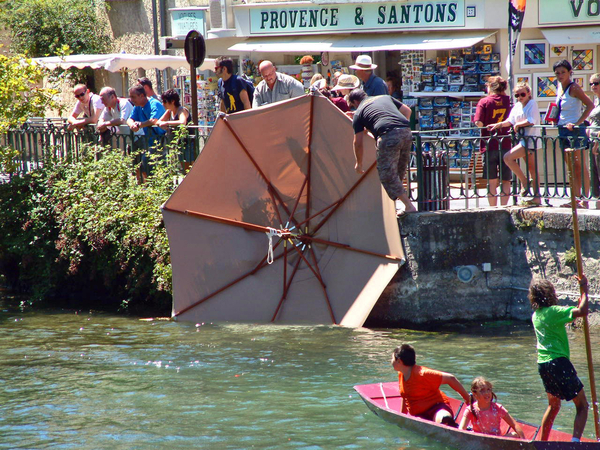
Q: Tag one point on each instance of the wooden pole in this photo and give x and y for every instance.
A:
(586, 328)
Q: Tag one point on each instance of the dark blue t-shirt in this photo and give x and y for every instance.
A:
(229, 91)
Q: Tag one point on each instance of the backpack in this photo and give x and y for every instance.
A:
(249, 86)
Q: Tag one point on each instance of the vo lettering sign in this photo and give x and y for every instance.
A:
(569, 11)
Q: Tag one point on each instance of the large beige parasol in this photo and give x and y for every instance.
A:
(281, 177)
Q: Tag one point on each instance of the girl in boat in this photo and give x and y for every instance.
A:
(554, 366)
(484, 413)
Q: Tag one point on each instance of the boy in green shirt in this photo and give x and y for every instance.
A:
(558, 374)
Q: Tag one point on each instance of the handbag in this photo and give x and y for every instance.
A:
(552, 113)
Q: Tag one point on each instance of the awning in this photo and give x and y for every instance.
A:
(362, 42)
(572, 35)
(116, 62)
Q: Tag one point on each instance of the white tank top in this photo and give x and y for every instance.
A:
(570, 107)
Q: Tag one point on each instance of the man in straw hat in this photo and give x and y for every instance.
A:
(387, 119)
(372, 84)
(345, 85)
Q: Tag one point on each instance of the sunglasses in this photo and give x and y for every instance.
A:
(522, 94)
(79, 95)
(594, 83)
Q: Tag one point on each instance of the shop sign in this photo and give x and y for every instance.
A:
(569, 11)
(302, 18)
(185, 19)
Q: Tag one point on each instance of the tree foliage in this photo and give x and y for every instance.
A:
(44, 27)
(88, 231)
(20, 93)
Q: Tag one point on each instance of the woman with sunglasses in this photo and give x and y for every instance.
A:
(571, 99)
(523, 117)
(594, 133)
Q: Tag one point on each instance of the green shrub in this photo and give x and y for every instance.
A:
(89, 233)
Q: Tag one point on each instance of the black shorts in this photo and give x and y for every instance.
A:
(494, 165)
(431, 412)
(560, 378)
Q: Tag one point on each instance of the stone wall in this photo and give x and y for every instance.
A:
(518, 243)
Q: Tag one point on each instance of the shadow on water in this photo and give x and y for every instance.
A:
(90, 381)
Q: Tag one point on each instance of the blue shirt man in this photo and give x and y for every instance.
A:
(146, 113)
(372, 84)
(375, 86)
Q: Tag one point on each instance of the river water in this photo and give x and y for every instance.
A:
(94, 381)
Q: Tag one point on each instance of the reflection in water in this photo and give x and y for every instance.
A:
(88, 381)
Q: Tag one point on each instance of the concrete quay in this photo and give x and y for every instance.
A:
(476, 265)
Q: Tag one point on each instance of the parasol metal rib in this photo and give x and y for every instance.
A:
(299, 197)
(339, 202)
(271, 189)
(286, 288)
(261, 264)
(348, 247)
(327, 301)
(309, 155)
(262, 229)
(235, 223)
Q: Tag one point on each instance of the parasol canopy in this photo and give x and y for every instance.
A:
(115, 62)
(272, 223)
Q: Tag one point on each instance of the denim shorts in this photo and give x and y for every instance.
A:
(577, 138)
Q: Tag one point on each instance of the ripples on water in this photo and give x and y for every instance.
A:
(92, 381)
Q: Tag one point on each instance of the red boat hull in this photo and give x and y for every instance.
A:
(385, 401)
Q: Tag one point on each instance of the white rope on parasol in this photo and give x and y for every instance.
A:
(272, 232)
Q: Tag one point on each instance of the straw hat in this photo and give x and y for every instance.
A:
(346, 82)
(363, 62)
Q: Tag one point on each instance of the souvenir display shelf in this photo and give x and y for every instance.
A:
(208, 99)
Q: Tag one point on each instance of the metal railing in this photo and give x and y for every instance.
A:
(446, 167)
(41, 138)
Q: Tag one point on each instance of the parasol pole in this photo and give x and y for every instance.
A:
(586, 328)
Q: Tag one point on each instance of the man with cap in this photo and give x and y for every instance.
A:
(387, 119)
(275, 86)
(372, 84)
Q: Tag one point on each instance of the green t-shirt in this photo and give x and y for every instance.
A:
(549, 324)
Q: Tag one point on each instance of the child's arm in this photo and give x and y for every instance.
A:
(464, 422)
(514, 425)
(583, 307)
(451, 381)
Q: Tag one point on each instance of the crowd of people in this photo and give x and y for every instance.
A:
(144, 112)
(388, 120)
(420, 386)
(576, 119)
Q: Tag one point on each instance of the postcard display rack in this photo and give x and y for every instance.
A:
(208, 98)
(449, 89)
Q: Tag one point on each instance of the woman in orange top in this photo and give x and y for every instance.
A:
(420, 388)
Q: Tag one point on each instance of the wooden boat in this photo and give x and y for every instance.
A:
(385, 401)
